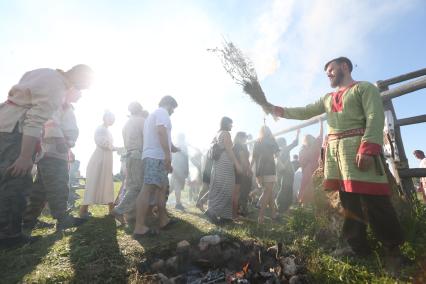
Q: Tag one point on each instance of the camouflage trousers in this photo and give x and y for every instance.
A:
(12, 189)
(134, 183)
(51, 186)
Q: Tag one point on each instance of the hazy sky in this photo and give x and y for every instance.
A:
(143, 50)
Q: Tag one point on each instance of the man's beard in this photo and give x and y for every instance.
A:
(337, 80)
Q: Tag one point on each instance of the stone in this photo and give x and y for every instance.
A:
(208, 240)
(229, 253)
(177, 280)
(289, 265)
(172, 263)
(158, 265)
(298, 279)
(163, 278)
(183, 246)
(214, 255)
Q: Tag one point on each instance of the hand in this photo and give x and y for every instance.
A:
(168, 164)
(175, 149)
(21, 167)
(364, 162)
(268, 108)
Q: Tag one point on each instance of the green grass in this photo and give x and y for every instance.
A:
(101, 252)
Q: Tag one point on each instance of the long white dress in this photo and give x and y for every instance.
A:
(99, 181)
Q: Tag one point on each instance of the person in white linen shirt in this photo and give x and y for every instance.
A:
(30, 103)
(133, 144)
(52, 180)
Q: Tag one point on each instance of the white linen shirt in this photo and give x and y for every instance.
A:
(151, 144)
(133, 133)
(32, 101)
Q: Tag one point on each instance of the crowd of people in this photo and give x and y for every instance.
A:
(37, 125)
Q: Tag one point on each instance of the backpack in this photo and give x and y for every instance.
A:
(215, 150)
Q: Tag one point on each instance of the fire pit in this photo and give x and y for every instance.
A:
(217, 259)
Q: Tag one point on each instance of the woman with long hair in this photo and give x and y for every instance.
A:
(264, 152)
(222, 176)
(242, 154)
(99, 181)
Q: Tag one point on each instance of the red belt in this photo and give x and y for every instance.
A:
(345, 134)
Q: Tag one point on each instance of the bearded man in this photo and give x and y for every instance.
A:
(352, 156)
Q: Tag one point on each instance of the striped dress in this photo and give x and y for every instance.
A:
(222, 184)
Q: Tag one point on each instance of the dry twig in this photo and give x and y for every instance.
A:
(241, 70)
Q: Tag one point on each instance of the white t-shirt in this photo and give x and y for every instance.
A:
(151, 144)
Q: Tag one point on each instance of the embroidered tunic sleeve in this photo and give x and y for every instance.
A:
(372, 140)
(301, 113)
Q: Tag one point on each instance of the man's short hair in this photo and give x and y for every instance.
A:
(168, 101)
(419, 152)
(340, 60)
(135, 108)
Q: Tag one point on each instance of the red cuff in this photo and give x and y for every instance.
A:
(371, 149)
(278, 111)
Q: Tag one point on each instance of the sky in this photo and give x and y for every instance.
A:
(143, 50)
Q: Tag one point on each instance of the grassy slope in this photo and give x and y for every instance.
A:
(98, 252)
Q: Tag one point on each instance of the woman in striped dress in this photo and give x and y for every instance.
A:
(223, 177)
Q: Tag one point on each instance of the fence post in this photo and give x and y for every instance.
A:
(406, 184)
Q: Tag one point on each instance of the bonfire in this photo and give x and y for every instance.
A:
(242, 71)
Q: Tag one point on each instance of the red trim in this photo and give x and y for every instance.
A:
(11, 103)
(367, 148)
(355, 186)
(337, 98)
(278, 111)
(331, 184)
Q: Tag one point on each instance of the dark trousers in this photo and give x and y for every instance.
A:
(12, 189)
(51, 186)
(285, 190)
(380, 214)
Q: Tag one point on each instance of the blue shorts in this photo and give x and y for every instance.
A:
(155, 172)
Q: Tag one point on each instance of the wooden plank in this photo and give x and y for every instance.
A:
(311, 121)
(414, 172)
(405, 183)
(404, 89)
(411, 120)
(401, 78)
